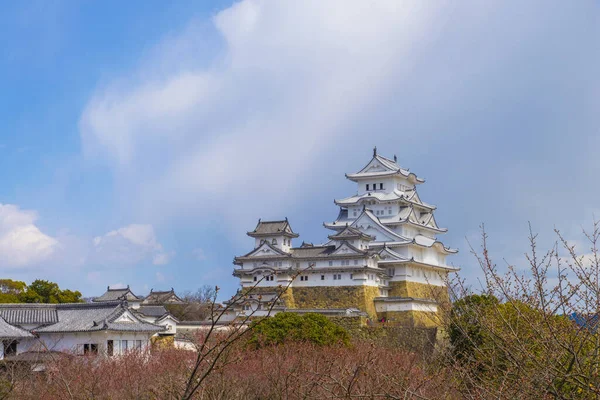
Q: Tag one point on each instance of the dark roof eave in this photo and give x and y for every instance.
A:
(283, 233)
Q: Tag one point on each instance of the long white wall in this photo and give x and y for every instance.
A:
(73, 342)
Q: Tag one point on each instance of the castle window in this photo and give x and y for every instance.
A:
(330, 263)
(274, 241)
(367, 187)
(297, 265)
(254, 279)
(381, 186)
(355, 262)
(351, 276)
(322, 277)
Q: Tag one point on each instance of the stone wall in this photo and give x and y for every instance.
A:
(287, 296)
(418, 290)
(419, 339)
(324, 297)
(413, 319)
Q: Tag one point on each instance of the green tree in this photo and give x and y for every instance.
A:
(10, 290)
(284, 327)
(465, 331)
(41, 291)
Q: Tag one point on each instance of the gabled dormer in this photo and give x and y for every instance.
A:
(346, 249)
(382, 174)
(353, 236)
(279, 234)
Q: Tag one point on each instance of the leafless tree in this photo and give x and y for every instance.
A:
(529, 332)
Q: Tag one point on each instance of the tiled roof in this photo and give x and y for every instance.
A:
(7, 331)
(117, 294)
(314, 251)
(350, 232)
(74, 317)
(409, 197)
(152, 311)
(162, 297)
(29, 314)
(265, 228)
(388, 167)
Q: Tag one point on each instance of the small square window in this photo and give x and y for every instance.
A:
(255, 279)
(367, 187)
(330, 263)
(381, 186)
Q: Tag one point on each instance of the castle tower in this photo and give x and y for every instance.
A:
(383, 257)
(387, 207)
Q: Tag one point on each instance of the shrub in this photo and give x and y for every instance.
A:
(289, 327)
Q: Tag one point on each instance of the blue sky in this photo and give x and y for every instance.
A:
(139, 141)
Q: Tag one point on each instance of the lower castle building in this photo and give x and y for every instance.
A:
(382, 259)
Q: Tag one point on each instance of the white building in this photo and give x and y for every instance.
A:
(108, 328)
(383, 256)
(150, 308)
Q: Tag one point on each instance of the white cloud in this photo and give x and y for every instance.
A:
(297, 84)
(22, 243)
(160, 277)
(129, 245)
(292, 76)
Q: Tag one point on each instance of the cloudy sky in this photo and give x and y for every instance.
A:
(139, 141)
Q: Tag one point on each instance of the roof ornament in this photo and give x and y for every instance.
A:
(395, 158)
(375, 151)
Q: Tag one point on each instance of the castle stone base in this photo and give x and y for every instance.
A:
(360, 297)
(418, 291)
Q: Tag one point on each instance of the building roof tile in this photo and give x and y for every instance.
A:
(271, 228)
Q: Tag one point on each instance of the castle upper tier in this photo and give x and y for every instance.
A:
(382, 257)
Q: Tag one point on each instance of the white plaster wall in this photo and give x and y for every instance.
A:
(68, 342)
(404, 306)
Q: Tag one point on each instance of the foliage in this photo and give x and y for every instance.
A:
(465, 332)
(290, 327)
(39, 291)
(515, 339)
(10, 290)
(294, 371)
